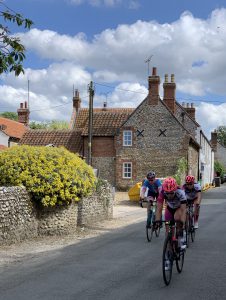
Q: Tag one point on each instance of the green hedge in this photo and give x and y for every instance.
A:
(53, 176)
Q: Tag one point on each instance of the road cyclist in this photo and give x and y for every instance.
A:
(193, 194)
(175, 210)
(150, 190)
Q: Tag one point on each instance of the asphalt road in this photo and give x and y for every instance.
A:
(122, 265)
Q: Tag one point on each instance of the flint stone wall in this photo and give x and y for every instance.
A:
(20, 219)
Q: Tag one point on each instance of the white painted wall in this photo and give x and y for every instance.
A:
(4, 139)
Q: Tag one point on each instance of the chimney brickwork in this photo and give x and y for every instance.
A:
(76, 101)
(169, 97)
(23, 113)
(214, 140)
(153, 87)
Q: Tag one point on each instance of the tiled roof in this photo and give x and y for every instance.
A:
(105, 122)
(70, 139)
(2, 147)
(13, 128)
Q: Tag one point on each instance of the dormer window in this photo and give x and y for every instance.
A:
(127, 138)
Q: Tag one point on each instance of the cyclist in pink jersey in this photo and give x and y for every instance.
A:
(175, 200)
(193, 193)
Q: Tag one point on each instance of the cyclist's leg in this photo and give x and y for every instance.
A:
(169, 216)
(149, 213)
(196, 211)
(180, 218)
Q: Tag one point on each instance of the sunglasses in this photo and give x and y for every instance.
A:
(189, 183)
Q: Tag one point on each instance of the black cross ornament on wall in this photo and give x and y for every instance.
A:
(140, 132)
(162, 132)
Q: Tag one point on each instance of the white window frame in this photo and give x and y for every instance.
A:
(127, 138)
(125, 173)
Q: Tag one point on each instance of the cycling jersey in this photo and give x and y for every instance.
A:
(178, 199)
(192, 194)
(153, 188)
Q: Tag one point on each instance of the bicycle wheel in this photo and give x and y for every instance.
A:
(180, 260)
(192, 229)
(149, 232)
(167, 260)
(155, 229)
(187, 232)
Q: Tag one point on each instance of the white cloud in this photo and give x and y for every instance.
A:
(193, 49)
(176, 48)
(210, 116)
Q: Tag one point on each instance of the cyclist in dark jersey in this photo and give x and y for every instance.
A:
(193, 193)
(150, 189)
(175, 200)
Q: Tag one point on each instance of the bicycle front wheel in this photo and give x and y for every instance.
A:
(180, 260)
(192, 229)
(167, 260)
(149, 232)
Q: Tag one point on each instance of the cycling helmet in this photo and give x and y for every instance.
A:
(169, 185)
(190, 179)
(150, 175)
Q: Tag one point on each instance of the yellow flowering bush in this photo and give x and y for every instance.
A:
(53, 176)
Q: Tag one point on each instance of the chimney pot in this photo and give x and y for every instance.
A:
(188, 105)
(172, 78)
(154, 71)
(21, 105)
(25, 104)
(166, 78)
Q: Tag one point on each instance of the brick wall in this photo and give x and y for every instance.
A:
(101, 147)
(162, 143)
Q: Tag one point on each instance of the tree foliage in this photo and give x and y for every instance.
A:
(221, 135)
(53, 176)
(9, 115)
(12, 51)
(219, 168)
(52, 125)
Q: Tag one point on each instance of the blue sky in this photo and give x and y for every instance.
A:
(107, 41)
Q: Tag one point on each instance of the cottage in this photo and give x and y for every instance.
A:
(12, 131)
(128, 142)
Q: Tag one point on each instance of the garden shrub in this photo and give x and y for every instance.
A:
(53, 176)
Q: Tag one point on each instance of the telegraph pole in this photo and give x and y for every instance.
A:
(90, 131)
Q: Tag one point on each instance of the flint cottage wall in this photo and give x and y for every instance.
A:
(21, 219)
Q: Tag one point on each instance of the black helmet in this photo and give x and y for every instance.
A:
(150, 175)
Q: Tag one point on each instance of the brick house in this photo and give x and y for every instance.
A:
(128, 142)
(12, 131)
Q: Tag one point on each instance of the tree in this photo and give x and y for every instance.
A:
(221, 135)
(9, 115)
(53, 125)
(12, 51)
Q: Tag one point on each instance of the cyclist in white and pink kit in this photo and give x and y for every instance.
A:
(176, 200)
(193, 193)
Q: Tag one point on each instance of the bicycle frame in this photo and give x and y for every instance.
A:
(171, 252)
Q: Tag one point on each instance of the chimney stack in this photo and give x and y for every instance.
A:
(169, 97)
(23, 113)
(76, 101)
(153, 87)
(190, 109)
(213, 140)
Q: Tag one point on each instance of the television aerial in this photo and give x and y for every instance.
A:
(147, 61)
